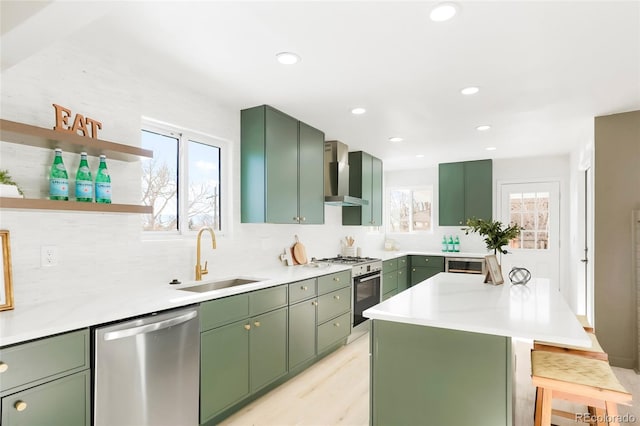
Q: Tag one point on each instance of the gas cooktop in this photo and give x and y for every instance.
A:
(348, 260)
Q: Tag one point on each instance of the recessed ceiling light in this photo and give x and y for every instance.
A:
(420, 156)
(358, 111)
(471, 90)
(443, 12)
(491, 148)
(288, 58)
(395, 139)
(483, 128)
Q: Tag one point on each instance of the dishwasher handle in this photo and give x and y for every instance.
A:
(147, 328)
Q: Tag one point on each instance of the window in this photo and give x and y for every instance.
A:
(530, 210)
(410, 210)
(182, 181)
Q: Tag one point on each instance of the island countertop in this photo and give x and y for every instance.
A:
(463, 302)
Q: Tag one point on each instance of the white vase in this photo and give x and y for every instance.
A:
(9, 191)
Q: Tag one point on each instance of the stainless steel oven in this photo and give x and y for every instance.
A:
(366, 293)
(465, 265)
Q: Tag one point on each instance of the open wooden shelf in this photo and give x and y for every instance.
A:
(25, 134)
(38, 204)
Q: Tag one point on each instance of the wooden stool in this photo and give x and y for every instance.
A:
(574, 378)
(595, 351)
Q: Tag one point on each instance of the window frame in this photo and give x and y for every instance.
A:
(412, 189)
(184, 136)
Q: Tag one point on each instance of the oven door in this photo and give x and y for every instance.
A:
(366, 293)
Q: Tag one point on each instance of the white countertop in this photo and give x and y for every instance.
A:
(463, 302)
(93, 306)
(392, 254)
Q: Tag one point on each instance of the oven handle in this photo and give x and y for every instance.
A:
(369, 278)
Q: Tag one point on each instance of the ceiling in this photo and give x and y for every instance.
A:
(544, 68)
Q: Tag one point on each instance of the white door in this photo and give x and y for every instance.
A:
(535, 206)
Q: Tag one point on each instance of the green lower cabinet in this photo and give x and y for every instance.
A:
(389, 282)
(389, 294)
(302, 332)
(224, 368)
(333, 331)
(61, 402)
(444, 377)
(267, 348)
(421, 273)
(403, 280)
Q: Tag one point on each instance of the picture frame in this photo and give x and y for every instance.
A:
(6, 289)
(494, 272)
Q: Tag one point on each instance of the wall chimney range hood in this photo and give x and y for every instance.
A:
(336, 176)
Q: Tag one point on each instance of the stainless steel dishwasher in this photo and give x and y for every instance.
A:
(147, 370)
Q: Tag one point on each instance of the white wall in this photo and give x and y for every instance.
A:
(109, 250)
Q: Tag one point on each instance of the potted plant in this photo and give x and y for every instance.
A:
(495, 235)
(8, 188)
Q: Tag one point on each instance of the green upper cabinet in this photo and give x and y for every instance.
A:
(465, 191)
(282, 172)
(365, 181)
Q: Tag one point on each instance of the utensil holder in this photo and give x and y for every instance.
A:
(349, 251)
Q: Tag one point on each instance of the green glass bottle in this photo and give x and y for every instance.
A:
(84, 183)
(103, 182)
(58, 179)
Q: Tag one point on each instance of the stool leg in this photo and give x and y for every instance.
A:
(600, 416)
(547, 402)
(537, 414)
(612, 413)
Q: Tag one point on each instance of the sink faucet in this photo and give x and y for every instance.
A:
(200, 271)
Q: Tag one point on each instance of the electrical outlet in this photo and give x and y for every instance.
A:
(48, 256)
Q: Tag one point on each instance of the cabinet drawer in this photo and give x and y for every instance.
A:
(223, 311)
(267, 299)
(302, 290)
(44, 359)
(333, 304)
(402, 262)
(389, 265)
(389, 281)
(329, 283)
(430, 261)
(63, 401)
(333, 331)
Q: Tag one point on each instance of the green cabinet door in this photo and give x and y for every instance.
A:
(376, 192)
(268, 348)
(451, 194)
(311, 175)
(421, 273)
(478, 184)
(365, 181)
(224, 368)
(281, 167)
(61, 402)
(302, 332)
(464, 191)
(403, 280)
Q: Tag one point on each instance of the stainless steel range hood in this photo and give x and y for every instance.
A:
(336, 176)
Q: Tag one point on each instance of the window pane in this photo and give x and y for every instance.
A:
(422, 210)
(160, 182)
(399, 213)
(204, 186)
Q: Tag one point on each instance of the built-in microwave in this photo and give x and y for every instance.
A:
(465, 265)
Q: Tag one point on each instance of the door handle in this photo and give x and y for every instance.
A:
(584, 260)
(147, 328)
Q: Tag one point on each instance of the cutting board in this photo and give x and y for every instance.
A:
(299, 253)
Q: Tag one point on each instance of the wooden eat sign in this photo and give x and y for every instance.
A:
(81, 124)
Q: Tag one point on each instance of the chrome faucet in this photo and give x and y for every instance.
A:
(200, 271)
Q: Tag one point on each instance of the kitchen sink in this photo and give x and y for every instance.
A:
(217, 285)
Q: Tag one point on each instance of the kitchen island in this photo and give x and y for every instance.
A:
(441, 351)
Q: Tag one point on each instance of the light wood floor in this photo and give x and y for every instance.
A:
(335, 391)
